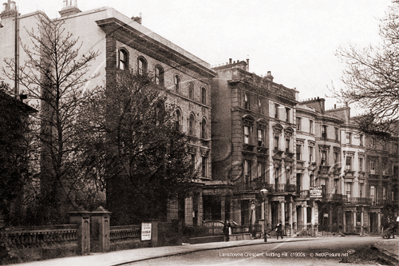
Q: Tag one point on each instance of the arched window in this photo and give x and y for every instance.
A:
(123, 59)
(176, 81)
(203, 129)
(142, 66)
(191, 91)
(191, 125)
(178, 119)
(159, 79)
(203, 95)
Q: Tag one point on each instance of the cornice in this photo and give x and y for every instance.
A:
(145, 44)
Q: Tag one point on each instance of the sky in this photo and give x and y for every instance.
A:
(295, 40)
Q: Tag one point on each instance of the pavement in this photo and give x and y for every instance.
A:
(141, 254)
(388, 247)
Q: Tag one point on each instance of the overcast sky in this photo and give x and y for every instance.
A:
(294, 39)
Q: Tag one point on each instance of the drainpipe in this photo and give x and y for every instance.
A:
(16, 55)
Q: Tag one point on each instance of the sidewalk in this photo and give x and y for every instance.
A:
(132, 255)
(390, 247)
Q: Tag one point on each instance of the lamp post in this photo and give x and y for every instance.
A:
(263, 192)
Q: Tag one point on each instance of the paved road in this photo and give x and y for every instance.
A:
(324, 251)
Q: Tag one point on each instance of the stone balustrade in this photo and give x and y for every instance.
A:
(32, 238)
(124, 233)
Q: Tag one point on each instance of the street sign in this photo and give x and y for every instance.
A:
(145, 231)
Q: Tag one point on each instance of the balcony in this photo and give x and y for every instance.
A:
(304, 194)
(349, 173)
(333, 197)
(300, 165)
(280, 188)
(291, 188)
(357, 201)
(337, 171)
(323, 169)
(362, 175)
(246, 186)
(248, 148)
(262, 150)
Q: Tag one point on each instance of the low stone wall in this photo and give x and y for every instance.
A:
(37, 243)
(126, 237)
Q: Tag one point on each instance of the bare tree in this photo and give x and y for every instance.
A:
(138, 147)
(55, 73)
(371, 78)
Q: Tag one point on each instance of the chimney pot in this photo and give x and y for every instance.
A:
(4, 7)
(12, 5)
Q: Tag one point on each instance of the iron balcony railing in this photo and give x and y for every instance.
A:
(357, 201)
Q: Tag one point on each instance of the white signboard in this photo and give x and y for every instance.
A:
(315, 192)
(145, 231)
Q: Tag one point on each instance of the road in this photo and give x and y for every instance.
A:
(323, 251)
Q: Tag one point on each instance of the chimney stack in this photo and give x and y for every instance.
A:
(9, 10)
(137, 19)
(269, 76)
(230, 60)
(70, 8)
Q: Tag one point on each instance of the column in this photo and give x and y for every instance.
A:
(305, 217)
(290, 215)
(188, 210)
(282, 214)
(344, 221)
(82, 218)
(362, 221)
(295, 218)
(312, 221)
(223, 208)
(269, 214)
(200, 209)
(379, 222)
(330, 218)
(237, 211)
(354, 221)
